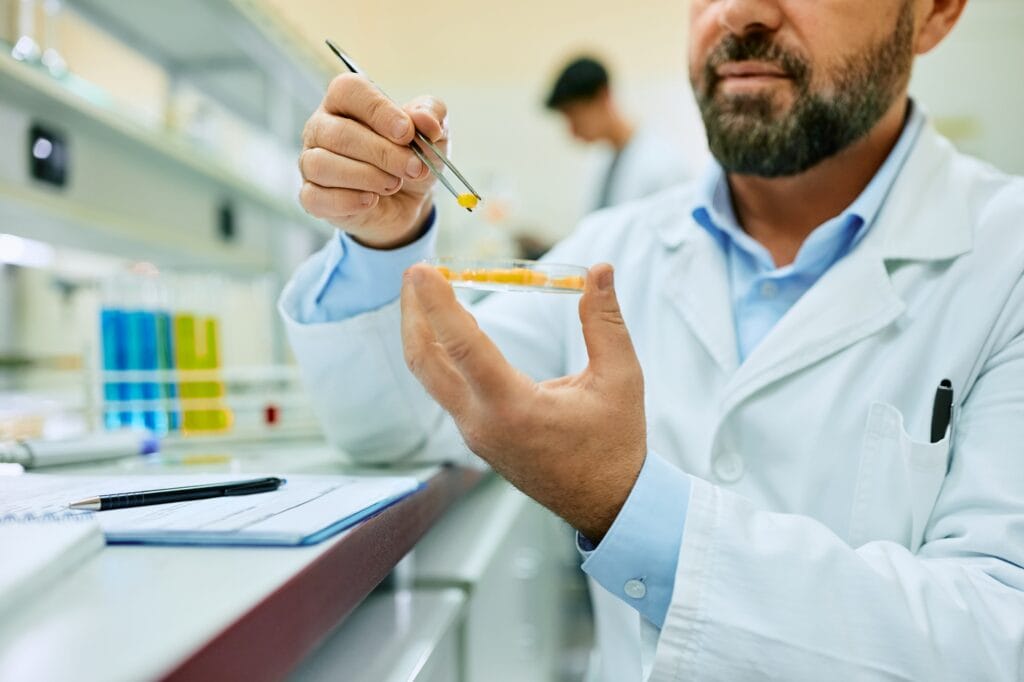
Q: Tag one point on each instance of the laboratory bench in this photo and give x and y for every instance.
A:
(450, 583)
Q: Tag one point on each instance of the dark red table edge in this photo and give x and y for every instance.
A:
(273, 637)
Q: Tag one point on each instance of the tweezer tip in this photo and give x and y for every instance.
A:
(338, 53)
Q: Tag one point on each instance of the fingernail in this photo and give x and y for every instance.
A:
(366, 198)
(606, 279)
(416, 275)
(414, 167)
(401, 129)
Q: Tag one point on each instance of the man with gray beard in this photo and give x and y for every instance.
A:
(787, 425)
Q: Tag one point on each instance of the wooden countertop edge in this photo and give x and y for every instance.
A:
(272, 637)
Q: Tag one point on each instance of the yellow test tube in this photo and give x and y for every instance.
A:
(197, 351)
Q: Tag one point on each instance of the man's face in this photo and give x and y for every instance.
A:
(785, 84)
(587, 119)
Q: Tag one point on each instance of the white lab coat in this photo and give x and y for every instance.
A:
(825, 537)
(650, 162)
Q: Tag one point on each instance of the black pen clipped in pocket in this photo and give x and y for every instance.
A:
(942, 410)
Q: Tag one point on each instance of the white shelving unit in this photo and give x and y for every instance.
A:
(232, 50)
(139, 190)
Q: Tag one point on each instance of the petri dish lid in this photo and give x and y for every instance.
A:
(511, 275)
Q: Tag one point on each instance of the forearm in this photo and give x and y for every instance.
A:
(343, 323)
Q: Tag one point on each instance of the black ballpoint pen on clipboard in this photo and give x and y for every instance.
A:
(942, 410)
(183, 494)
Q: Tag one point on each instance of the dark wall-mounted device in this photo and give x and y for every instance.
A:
(226, 227)
(47, 155)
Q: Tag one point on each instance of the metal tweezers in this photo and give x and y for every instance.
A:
(420, 137)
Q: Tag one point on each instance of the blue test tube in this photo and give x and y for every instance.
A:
(141, 354)
(112, 335)
(165, 361)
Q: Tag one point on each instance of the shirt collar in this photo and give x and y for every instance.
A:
(712, 205)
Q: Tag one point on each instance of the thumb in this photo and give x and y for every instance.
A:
(608, 344)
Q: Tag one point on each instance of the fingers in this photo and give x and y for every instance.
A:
(608, 344)
(429, 115)
(425, 358)
(357, 98)
(331, 203)
(327, 169)
(351, 139)
(474, 355)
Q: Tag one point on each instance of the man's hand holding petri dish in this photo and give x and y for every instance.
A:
(575, 444)
(358, 171)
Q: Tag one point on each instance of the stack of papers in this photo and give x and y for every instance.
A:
(35, 555)
(304, 511)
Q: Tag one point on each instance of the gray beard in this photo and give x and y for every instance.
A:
(746, 136)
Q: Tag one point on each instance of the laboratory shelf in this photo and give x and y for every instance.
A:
(236, 53)
(34, 87)
(500, 548)
(404, 636)
(39, 214)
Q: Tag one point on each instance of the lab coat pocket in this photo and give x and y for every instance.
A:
(898, 481)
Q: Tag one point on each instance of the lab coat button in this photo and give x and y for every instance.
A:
(635, 589)
(729, 467)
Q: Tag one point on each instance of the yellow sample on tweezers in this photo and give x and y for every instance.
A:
(467, 200)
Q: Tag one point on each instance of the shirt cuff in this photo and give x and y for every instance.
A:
(356, 279)
(636, 561)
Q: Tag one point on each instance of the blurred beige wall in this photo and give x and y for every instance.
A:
(971, 84)
(448, 42)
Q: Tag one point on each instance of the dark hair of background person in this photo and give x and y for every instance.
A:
(582, 79)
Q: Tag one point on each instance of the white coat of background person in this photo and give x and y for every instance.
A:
(824, 536)
(642, 160)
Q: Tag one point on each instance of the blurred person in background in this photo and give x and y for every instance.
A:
(642, 161)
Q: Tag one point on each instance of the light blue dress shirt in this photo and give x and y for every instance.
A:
(637, 559)
(761, 292)
(356, 279)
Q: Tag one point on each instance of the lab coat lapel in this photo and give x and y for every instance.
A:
(698, 288)
(853, 300)
(856, 298)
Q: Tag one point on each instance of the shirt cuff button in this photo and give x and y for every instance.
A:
(635, 589)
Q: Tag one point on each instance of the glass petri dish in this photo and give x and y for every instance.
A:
(511, 275)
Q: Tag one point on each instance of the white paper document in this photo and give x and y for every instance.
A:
(305, 510)
(35, 555)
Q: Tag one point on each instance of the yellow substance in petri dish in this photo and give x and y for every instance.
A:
(572, 282)
(516, 276)
(468, 200)
(537, 279)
